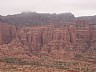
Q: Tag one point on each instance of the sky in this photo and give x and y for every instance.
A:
(77, 7)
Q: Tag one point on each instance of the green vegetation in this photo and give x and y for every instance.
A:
(78, 56)
(18, 61)
(57, 64)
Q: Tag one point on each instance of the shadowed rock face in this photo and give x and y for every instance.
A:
(42, 39)
(56, 40)
(51, 44)
(7, 33)
(36, 37)
(33, 18)
(38, 18)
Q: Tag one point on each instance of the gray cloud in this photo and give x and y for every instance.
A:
(78, 7)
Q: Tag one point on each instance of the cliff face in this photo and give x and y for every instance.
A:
(62, 45)
(37, 18)
(34, 19)
(28, 40)
(56, 40)
(7, 33)
(36, 37)
(60, 40)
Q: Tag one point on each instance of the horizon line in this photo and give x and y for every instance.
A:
(46, 13)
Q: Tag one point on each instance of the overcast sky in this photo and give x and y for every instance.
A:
(77, 7)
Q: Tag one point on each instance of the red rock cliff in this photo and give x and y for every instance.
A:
(7, 33)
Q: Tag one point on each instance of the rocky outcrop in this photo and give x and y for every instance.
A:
(53, 44)
(36, 37)
(49, 39)
(34, 18)
(7, 33)
(54, 39)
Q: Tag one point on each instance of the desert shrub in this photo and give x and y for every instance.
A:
(13, 60)
(10, 60)
(78, 56)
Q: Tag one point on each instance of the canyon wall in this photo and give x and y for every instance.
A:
(7, 33)
(58, 39)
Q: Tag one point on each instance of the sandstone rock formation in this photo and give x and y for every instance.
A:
(46, 44)
(36, 37)
(7, 33)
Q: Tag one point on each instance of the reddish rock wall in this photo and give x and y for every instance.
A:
(7, 33)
